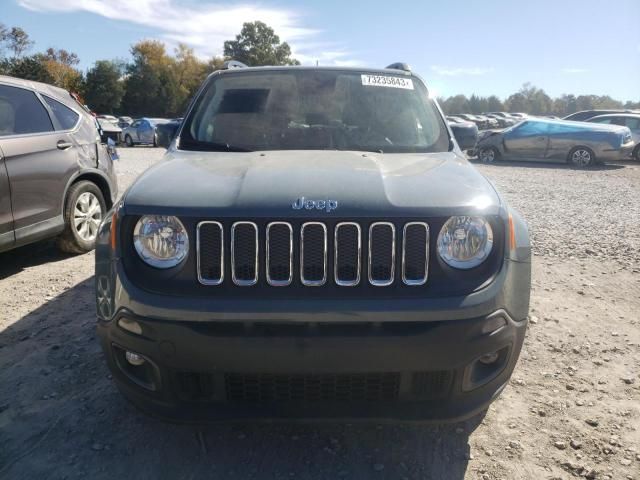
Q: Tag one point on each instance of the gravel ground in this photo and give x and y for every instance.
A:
(572, 408)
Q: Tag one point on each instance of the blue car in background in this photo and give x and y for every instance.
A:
(142, 131)
(544, 140)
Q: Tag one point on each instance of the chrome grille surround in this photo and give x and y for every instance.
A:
(356, 281)
(271, 281)
(283, 260)
(322, 281)
(203, 280)
(382, 282)
(423, 280)
(239, 281)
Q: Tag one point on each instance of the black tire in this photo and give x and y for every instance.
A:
(128, 141)
(155, 139)
(71, 240)
(636, 153)
(488, 154)
(581, 157)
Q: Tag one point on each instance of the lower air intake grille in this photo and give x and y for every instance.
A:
(430, 384)
(265, 388)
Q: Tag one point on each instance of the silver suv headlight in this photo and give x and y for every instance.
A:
(161, 241)
(465, 242)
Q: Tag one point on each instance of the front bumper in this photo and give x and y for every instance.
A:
(404, 359)
(408, 372)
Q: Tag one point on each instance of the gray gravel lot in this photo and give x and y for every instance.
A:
(571, 410)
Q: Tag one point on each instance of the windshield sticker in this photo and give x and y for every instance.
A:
(387, 81)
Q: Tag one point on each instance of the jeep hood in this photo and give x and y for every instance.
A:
(266, 184)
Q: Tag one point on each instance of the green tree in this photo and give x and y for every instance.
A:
(494, 104)
(151, 85)
(103, 88)
(516, 103)
(456, 104)
(30, 68)
(257, 44)
(190, 71)
(61, 66)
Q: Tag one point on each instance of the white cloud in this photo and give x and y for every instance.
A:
(203, 27)
(574, 70)
(457, 71)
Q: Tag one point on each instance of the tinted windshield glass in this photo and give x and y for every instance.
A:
(311, 109)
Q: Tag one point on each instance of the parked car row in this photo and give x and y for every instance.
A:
(141, 131)
(489, 120)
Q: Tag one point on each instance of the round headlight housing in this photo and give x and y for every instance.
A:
(161, 241)
(465, 242)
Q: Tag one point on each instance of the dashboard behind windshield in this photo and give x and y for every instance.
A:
(314, 110)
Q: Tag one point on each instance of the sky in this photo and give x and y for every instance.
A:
(457, 46)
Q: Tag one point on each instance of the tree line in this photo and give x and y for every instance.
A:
(532, 100)
(156, 82)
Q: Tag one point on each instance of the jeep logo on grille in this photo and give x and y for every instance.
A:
(326, 205)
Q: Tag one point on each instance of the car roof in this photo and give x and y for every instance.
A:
(56, 93)
(621, 114)
(311, 68)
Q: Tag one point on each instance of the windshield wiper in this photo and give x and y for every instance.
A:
(212, 146)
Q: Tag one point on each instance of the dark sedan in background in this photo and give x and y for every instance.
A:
(166, 131)
(578, 143)
(465, 133)
(584, 115)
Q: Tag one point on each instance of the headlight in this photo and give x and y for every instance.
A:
(161, 241)
(465, 242)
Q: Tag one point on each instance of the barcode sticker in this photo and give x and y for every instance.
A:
(387, 81)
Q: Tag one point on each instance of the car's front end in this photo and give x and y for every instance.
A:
(316, 282)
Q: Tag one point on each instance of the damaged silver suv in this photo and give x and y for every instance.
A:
(56, 178)
(314, 244)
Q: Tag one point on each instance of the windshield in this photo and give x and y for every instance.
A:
(314, 110)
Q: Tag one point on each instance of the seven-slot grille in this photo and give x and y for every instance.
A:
(306, 252)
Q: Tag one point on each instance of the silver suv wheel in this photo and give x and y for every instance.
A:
(87, 215)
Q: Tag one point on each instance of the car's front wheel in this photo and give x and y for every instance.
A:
(488, 154)
(636, 153)
(84, 210)
(582, 157)
(128, 141)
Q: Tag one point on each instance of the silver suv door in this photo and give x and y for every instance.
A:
(39, 161)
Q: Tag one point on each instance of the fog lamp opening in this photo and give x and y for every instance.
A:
(134, 359)
(489, 358)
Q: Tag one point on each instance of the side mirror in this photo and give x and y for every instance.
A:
(466, 134)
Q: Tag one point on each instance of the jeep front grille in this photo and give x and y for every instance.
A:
(311, 253)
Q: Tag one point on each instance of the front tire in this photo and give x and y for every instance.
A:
(488, 154)
(84, 209)
(128, 141)
(636, 153)
(582, 157)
